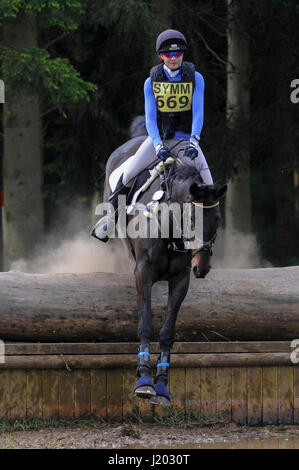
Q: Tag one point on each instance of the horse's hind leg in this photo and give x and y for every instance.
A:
(144, 387)
(178, 288)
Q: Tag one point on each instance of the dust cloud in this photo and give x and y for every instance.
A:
(237, 251)
(69, 248)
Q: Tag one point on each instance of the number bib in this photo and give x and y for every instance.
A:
(173, 97)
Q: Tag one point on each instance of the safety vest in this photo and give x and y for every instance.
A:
(173, 100)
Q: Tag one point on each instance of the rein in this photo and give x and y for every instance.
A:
(206, 246)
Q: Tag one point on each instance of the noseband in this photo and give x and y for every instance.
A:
(206, 247)
(205, 207)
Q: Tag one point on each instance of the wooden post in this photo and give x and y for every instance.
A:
(270, 395)
(239, 395)
(255, 390)
(66, 394)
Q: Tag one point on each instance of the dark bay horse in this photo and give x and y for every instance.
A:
(161, 258)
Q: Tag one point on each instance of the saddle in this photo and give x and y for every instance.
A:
(151, 209)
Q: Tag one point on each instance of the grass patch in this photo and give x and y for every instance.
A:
(188, 418)
(36, 424)
(172, 417)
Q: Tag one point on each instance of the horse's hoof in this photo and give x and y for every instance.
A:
(162, 396)
(145, 392)
(144, 387)
(160, 400)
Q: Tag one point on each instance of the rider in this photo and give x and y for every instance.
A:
(174, 109)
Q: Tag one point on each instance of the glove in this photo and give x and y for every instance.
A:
(192, 150)
(162, 152)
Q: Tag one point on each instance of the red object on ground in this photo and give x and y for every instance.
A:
(1, 198)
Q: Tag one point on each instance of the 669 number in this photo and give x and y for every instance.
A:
(172, 102)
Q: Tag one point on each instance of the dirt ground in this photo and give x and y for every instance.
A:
(155, 436)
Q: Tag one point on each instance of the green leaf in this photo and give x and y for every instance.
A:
(54, 78)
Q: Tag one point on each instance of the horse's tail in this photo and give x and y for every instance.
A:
(137, 127)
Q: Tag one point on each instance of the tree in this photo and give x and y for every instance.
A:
(34, 80)
(238, 198)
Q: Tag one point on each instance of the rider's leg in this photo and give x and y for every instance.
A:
(144, 156)
(120, 189)
(199, 162)
(202, 166)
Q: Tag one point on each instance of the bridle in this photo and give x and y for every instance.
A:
(206, 247)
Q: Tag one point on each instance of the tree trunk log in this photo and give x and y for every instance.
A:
(253, 304)
(23, 221)
(238, 197)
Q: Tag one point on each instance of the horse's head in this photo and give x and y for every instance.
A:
(207, 197)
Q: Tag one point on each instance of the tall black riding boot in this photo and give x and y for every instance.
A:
(120, 189)
(101, 229)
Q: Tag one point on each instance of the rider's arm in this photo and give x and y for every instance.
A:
(198, 104)
(151, 113)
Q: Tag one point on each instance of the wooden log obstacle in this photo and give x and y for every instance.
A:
(245, 382)
(239, 304)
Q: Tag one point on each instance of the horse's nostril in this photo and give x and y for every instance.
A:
(201, 271)
(196, 272)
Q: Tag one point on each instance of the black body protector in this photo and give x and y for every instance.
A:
(173, 100)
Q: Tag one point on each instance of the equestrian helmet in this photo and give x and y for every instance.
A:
(171, 40)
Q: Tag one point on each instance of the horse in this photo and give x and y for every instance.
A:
(159, 258)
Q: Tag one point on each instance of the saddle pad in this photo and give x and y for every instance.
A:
(116, 174)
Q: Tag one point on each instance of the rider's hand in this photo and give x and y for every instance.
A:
(191, 150)
(162, 152)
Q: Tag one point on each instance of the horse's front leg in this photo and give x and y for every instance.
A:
(178, 288)
(144, 387)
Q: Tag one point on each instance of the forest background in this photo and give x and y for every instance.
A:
(74, 72)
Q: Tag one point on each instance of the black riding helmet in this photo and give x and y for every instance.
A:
(171, 40)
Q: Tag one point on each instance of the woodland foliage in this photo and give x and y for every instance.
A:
(90, 67)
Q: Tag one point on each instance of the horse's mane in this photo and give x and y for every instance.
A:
(184, 172)
(181, 174)
(137, 127)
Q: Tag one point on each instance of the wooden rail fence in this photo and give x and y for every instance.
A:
(246, 382)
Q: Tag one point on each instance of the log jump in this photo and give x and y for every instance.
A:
(238, 304)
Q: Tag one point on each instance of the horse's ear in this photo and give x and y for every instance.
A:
(220, 191)
(197, 192)
(193, 189)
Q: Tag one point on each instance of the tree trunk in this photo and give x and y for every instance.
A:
(163, 13)
(284, 148)
(253, 304)
(238, 197)
(22, 160)
(296, 188)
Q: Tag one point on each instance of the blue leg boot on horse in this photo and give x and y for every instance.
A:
(162, 396)
(144, 387)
